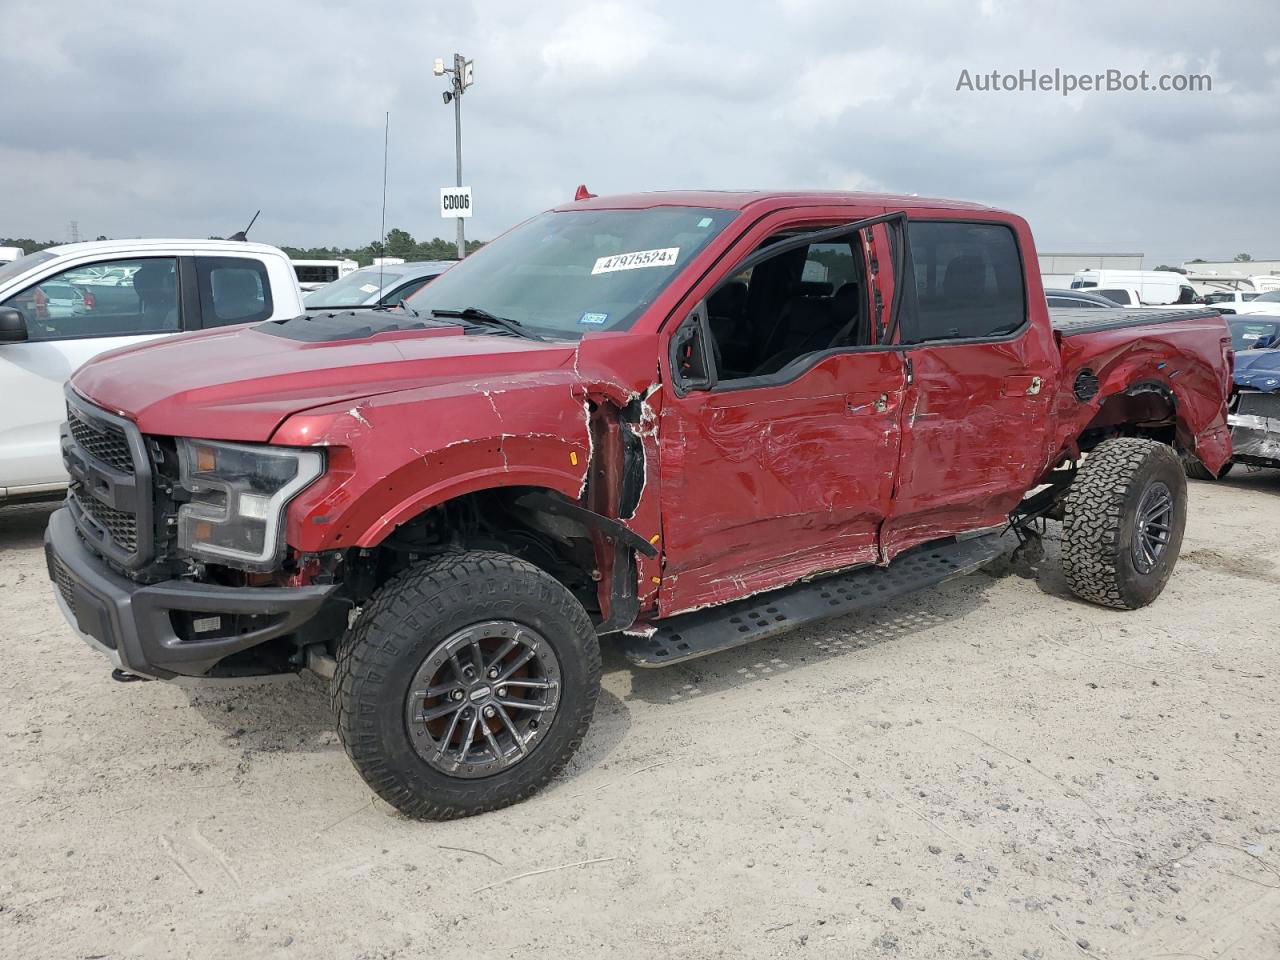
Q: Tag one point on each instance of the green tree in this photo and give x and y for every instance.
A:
(1242, 258)
(400, 243)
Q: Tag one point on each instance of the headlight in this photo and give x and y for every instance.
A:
(238, 496)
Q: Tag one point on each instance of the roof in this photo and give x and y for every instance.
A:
(409, 267)
(94, 247)
(763, 199)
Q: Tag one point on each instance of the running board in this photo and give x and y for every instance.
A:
(713, 629)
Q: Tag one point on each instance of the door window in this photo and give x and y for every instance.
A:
(968, 281)
(804, 300)
(111, 298)
(232, 290)
(1117, 296)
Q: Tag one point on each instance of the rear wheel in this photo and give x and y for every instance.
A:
(466, 685)
(1123, 520)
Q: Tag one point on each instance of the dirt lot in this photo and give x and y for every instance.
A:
(989, 769)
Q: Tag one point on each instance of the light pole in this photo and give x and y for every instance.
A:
(461, 76)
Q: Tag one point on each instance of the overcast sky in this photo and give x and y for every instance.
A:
(164, 119)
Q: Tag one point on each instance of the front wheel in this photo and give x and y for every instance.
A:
(1198, 471)
(1123, 518)
(466, 685)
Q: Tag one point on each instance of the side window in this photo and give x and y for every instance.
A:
(803, 300)
(232, 290)
(1073, 303)
(406, 291)
(968, 282)
(1117, 296)
(111, 298)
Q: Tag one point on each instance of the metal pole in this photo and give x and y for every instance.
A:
(458, 67)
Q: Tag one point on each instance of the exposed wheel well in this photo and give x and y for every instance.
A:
(492, 519)
(1146, 409)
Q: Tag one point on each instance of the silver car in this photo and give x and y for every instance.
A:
(371, 286)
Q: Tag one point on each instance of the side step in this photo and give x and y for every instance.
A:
(701, 632)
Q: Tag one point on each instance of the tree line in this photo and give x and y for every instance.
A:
(399, 243)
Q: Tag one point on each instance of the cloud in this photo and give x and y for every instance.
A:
(183, 119)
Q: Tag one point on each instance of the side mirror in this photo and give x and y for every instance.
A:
(690, 363)
(13, 325)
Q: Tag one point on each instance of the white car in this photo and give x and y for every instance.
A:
(1268, 303)
(1229, 301)
(65, 305)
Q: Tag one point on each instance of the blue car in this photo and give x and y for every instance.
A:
(1254, 412)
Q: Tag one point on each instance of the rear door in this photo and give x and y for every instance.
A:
(983, 368)
(73, 314)
(779, 436)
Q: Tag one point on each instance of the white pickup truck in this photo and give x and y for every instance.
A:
(65, 305)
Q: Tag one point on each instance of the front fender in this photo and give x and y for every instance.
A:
(392, 457)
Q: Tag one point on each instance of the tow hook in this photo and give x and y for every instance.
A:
(124, 676)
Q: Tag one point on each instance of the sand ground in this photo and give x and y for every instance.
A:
(987, 769)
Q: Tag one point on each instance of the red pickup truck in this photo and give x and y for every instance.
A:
(680, 421)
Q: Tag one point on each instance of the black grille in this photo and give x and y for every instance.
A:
(63, 579)
(121, 527)
(101, 440)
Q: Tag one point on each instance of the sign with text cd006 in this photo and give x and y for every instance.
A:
(455, 202)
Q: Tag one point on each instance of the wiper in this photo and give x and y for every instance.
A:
(481, 316)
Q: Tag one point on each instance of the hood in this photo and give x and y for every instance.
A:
(1258, 370)
(241, 383)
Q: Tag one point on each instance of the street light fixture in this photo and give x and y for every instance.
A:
(462, 75)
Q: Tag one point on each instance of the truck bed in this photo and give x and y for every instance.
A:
(1070, 321)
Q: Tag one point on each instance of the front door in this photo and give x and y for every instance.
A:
(72, 316)
(778, 458)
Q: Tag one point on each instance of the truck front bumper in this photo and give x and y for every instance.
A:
(150, 630)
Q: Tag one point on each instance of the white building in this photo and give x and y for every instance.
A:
(1207, 275)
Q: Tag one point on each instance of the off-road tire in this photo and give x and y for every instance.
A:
(1198, 471)
(1099, 518)
(396, 631)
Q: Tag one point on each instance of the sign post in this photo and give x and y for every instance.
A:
(462, 75)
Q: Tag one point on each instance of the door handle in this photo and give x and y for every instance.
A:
(1022, 386)
(862, 402)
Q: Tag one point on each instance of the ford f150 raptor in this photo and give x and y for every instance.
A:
(675, 421)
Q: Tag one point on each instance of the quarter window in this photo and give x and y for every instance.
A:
(111, 298)
(232, 290)
(968, 282)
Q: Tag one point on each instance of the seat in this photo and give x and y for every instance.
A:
(156, 285)
(726, 311)
(855, 327)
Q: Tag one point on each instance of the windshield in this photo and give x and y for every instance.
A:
(577, 271)
(1245, 334)
(1272, 297)
(20, 266)
(354, 289)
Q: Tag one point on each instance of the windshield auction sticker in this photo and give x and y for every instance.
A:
(665, 257)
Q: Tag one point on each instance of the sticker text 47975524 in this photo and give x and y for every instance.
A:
(663, 257)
